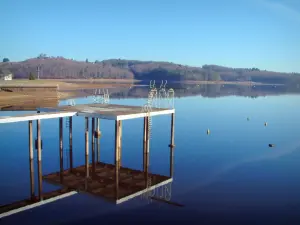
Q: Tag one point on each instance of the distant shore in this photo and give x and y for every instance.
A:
(20, 92)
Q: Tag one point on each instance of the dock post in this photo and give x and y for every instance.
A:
(36, 140)
(120, 143)
(118, 138)
(37, 129)
(172, 130)
(31, 166)
(172, 145)
(61, 159)
(98, 139)
(39, 156)
(146, 144)
(117, 178)
(93, 145)
(71, 142)
(87, 147)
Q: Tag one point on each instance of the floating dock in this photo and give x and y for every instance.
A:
(109, 111)
(112, 182)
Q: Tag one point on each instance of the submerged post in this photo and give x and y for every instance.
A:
(146, 152)
(87, 146)
(171, 161)
(117, 178)
(39, 156)
(98, 139)
(31, 166)
(93, 145)
(61, 159)
(71, 143)
(120, 143)
(172, 145)
(146, 143)
(172, 130)
(118, 138)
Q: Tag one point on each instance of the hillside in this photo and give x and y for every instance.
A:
(59, 67)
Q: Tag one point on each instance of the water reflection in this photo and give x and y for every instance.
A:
(207, 90)
(178, 90)
(232, 173)
(114, 183)
(108, 181)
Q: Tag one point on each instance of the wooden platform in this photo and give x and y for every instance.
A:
(102, 182)
(37, 116)
(108, 111)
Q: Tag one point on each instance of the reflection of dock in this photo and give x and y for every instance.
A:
(19, 206)
(112, 182)
(102, 182)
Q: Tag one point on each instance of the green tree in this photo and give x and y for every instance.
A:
(31, 76)
(6, 60)
(42, 56)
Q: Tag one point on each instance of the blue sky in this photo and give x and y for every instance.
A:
(235, 33)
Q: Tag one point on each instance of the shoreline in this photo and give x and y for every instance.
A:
(227, 82)
(20, 92)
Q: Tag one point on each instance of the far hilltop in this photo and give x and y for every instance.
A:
(62, 68)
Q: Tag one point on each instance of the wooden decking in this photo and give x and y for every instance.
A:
(109, 111)
(102, 182)
(40, 116)
(101, 111)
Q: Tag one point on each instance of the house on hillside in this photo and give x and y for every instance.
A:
(5, 75)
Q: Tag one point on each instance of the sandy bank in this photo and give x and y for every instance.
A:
(19, 92)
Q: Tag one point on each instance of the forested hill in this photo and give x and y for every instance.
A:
(59, 67)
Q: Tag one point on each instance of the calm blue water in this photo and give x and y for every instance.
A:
(228, 177)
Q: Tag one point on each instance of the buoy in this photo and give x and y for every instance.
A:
(208, 131)
(271, 145)
(248, 118)
(266, 124)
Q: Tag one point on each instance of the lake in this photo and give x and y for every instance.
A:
(230, 176)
